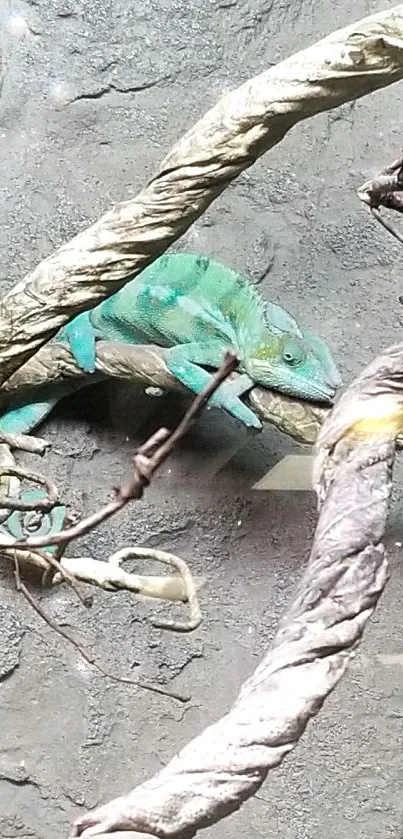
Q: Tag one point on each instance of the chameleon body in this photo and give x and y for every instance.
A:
(197, 309)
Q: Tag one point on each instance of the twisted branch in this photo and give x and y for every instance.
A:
(345, 576)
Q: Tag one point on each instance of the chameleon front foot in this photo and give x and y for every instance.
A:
(194, 377)
(224, 398)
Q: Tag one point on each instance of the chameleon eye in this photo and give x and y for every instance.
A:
(292, 353)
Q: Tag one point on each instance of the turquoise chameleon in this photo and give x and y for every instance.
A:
(197, 309)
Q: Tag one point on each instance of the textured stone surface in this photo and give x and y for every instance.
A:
(93, 95)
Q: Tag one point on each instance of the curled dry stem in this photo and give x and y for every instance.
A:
(113, 578)
(185, 575)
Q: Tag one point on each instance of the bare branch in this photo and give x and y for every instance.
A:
(54, 364)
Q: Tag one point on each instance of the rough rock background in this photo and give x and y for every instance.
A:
(94, 95)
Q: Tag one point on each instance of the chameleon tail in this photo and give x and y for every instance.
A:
(26, 416)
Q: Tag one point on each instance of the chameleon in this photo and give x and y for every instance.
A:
(196, 309)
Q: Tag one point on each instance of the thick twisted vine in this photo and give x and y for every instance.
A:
(345, 576)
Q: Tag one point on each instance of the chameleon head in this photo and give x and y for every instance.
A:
(291, 360)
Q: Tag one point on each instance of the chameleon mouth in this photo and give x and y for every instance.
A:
(324, 394)
(303, 388)
(333, 386)
(321, 399)
(334, 381)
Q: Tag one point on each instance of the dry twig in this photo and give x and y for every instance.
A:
(17, 503)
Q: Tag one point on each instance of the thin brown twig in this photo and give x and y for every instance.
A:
(43, 504)
(144, 466)
(54, 565)
(83, 652)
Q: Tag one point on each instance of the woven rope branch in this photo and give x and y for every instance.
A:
(346, 574)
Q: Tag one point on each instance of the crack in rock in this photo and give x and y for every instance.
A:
(103, 91)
